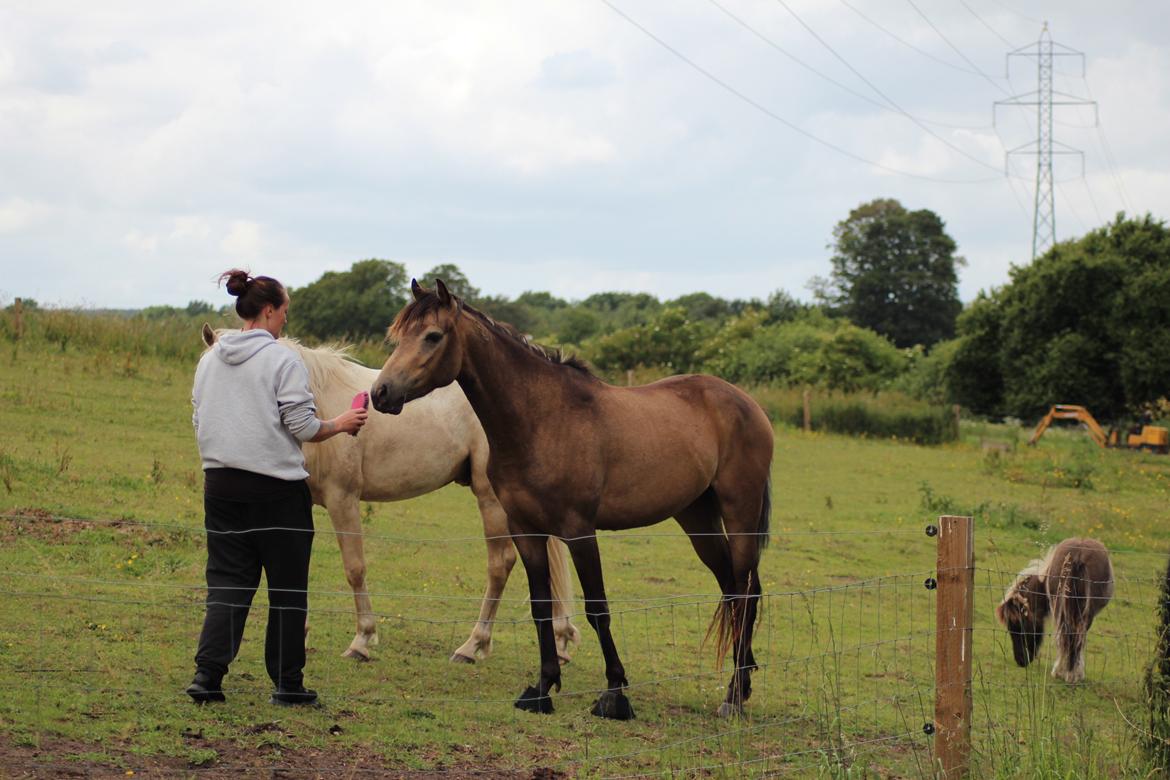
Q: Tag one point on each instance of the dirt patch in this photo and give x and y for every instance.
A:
(72, 759)
(26, 523)
(41, 524)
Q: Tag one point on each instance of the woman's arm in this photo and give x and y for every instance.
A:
(349, 421)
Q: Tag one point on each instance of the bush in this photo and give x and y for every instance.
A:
(173, 337)
(883, 416)
(811, 350)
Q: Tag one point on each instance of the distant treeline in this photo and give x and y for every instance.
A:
(1087, 323)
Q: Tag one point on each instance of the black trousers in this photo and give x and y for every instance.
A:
(244, 537)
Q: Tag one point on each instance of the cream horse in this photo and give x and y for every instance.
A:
(438, 440)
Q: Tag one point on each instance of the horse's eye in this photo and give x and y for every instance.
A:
(434, 337)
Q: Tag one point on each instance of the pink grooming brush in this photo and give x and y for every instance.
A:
(360, 401)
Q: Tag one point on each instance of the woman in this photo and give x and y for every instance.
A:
(253, 408)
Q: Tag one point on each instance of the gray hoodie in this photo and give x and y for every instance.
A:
(253, 406)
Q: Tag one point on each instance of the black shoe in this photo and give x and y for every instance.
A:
(292, 696)
(204, 689)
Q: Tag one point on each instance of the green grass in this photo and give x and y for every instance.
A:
(100, 618)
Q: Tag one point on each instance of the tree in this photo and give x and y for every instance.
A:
(669, 340)
(574, 324)
(515, 313)
(894, 273)
(1086, 324)
(702, 306)
(973, 372)
(455, 280)
(356, 304)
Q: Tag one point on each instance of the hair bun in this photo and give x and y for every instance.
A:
(237, 282)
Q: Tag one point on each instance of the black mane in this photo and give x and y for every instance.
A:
(421, 307)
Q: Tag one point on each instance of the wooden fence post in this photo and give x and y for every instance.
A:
(952, 649)
(807, 411)
(18, 311)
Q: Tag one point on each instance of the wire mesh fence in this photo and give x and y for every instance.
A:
(845, 680)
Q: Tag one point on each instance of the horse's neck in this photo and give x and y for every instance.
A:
(510, 388)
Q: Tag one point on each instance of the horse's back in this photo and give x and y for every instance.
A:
(1089, 559)
(396, 457)
(694, 407)
(664, 444)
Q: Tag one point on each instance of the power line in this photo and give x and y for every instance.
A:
(1114, 172)
(830, 79)
(874, 87)
(980, 19)
(773, 115)
(975, 68)
(906, 43)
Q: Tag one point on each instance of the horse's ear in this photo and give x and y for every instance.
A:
(417, 290)
(444, 294)
(999, 615)
(208, 335)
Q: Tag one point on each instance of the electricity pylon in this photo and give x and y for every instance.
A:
(1044, 213)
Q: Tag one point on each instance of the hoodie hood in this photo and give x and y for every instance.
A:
(236, 347)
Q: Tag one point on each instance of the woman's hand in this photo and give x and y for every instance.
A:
(349, 421)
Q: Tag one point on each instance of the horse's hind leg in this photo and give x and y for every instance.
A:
(501, 557)
(742, 511)
(704, 528)
(346, 519)
(501, 554)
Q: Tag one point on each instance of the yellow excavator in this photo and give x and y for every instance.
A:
(1139, 437)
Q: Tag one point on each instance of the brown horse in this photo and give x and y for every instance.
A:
(569, 454)
(1072, 583)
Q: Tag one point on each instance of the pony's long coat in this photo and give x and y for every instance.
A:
(1071, 584)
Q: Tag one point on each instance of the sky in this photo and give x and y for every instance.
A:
(568, 146)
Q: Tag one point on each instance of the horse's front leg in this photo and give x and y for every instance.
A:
(586, 557)
(534, 554)
(346, 517)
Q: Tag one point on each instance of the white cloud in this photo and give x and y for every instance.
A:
(243, 241)
(18, 214)
(544, 146)
(140, 242)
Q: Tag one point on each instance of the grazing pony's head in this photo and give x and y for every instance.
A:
(1023, 611)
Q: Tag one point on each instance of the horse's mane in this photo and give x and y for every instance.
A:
(420, 308)
(326, 363)
(1037, 567)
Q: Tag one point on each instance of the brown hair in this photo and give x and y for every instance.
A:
(252, 293)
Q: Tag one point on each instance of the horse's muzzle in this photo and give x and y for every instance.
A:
(385, 402)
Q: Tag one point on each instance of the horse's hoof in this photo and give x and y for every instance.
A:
(613, 705)
(563, 659)
(459, 658)
(729, 710)
(532, 701)
(356, 655)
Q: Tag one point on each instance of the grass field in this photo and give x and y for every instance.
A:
(100, 617)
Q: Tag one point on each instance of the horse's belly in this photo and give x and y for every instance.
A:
(651, 500)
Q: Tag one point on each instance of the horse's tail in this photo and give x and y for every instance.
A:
(1071, 612)
(561, 583)
(725, 620)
